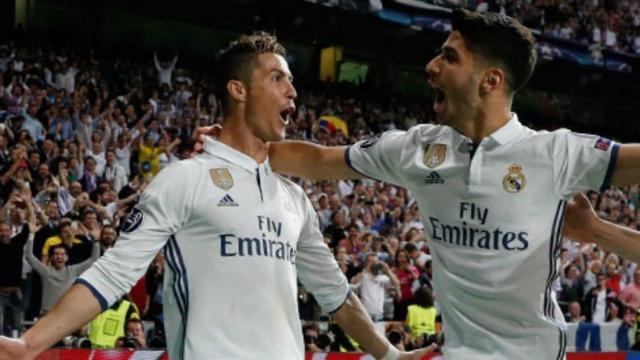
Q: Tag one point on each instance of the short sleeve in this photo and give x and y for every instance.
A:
(378, 157)
(161, 212)
(582, 162)
(317, 269)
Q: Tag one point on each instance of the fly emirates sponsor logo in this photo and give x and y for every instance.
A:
(266, 245)
(474, 236)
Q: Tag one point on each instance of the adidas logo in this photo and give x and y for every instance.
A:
(433, 178)
(227, 200)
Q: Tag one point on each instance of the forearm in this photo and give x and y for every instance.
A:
(618, 239)
(310, 161)
(76, 308)
(355, 321)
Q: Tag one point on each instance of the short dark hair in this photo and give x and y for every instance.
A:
(238, 60)
(53, 248)
(423, 297)
(500, 39)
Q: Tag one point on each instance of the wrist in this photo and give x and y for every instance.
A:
(392, 353)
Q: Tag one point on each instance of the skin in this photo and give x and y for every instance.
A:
(254, 119)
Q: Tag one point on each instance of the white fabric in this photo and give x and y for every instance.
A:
(495, 252)
(372, 290)
(230, 289)
(600, 312)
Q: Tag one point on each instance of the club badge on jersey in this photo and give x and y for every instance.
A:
(434, 155)
(514, 181)
(221, 177)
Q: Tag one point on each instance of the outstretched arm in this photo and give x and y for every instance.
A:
(583, 224)
(356, 322)
(310, 161)
(627, 170)
(76, 308)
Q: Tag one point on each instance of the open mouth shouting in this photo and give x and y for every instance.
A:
(438, 103)
(286, 113)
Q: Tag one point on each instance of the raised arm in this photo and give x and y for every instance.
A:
(583, 224)
(310, 161)
(627, 170)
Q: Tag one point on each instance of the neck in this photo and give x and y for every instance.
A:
(485, 120)
(237, 134)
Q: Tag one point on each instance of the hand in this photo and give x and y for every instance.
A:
(33, 226)
(580, 220)
(418, 354)
(200, 134)
(14, 349)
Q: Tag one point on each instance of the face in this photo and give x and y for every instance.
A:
(90, 220)
(51, 210)
(5, 233)
(59, 258)
(111, 158)
(270, 98)
(108, 236)
(75, 188)
(454, 76)
(134, 329)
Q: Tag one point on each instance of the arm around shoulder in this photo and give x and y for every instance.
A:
(310, 161)
(627, 166)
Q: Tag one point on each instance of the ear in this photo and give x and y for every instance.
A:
(237, 90)
(494, 79)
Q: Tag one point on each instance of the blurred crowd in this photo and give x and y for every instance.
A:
(81, 137)
(600, 24)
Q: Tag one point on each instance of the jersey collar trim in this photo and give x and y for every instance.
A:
(218, 149)
(509, 132)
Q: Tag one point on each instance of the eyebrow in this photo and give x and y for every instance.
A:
(449, 49)
(283, 73)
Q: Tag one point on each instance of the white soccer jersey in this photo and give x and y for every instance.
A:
(494, 221)
(235, 235)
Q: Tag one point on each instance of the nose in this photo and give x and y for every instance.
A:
(432, 68)
(291, 92)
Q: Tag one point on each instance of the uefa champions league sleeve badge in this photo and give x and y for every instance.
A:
(514, 181)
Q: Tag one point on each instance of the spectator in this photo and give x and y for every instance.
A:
(165, 70)
(76, 248)
(135, 330)
(574, 315)
(373, 282)
(109, 326)
(11, 250)
(419, 258)
(406, 274)
(630, 295)
(58, 277)
(598, 300)
(107, 238)
(421, 316)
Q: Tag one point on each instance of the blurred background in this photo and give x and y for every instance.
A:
(97, 97)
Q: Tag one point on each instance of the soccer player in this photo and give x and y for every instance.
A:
(235, 234)
(492, 192)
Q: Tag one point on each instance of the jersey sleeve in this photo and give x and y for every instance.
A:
(582, 162)
(161, 212)
(379, 157)
(317, 269)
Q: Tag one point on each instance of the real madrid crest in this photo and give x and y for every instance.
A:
(514, 181)
(221, 178)
(434, 155)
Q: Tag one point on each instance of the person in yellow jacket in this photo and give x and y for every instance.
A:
(109, 326)
(421, 316)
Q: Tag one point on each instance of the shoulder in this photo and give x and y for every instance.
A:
(295, 191)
